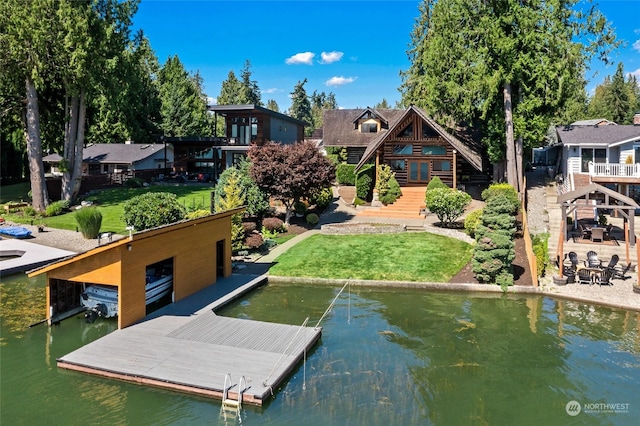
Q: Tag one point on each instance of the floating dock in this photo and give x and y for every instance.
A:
(187, 347)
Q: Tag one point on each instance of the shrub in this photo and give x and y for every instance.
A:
(392, 193)
(197, 213)
(56, 208)
(323, 198)
(540, 245)
(312, 219)
(447, 204)
(273, 224)
(267, 234)
(152, 209)
(345, 174)
(472, 221)
(436, 182)
(249, 227)
(300, 207)
(89, 221)
(254, 240)
(358, 202)
(134, 183)
(387, 185)
(505, 190)
(29, 211)
(363, 186)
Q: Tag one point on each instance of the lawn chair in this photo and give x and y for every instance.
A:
(584, 276)
(604, 278)
(584, 232)
(607, 232)
(597, 234)
(573, 258)
(592, 260)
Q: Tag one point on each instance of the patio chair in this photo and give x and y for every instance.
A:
(604, 278)
(597, 234)
(573, 258)
(592, 260)
(607, 232)
(584, 276)
(584, 232)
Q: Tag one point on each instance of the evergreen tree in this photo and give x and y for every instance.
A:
(618, 98)
(301, 106)
(319, 103)
(273, 105)
(250, 89)
(231, 90)
(184, 107)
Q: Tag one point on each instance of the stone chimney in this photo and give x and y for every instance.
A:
(636, 119)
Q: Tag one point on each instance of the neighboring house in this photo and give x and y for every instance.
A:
(606, 155)
(245, 125)
(119, 158)
(594, 122)
(409, 141)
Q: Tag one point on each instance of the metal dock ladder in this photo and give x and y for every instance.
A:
(229, 405)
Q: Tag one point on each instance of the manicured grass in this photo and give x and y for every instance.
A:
(110, 202)
(15, 193)
(390, 257)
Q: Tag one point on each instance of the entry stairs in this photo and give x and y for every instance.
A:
(410, 205)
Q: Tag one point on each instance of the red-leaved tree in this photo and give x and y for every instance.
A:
(290, 172)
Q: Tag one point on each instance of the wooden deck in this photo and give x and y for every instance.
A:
(194, 353)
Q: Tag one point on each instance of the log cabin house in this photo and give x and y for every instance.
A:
(409, 141)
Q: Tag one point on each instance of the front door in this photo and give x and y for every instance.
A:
(418, 171)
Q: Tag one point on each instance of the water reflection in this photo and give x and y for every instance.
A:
(385, 357)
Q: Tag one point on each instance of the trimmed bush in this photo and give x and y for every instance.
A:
(249, 227)
(89, 222)
(447, 204)
(393, 192)
(436, 182)
(387, 185)
(152, 209)
(363, 186)
(540, 245)
(472, 221)
(322, 199)
(254, 240)
(273, 224)
(345, 174)
(505, 190)
(312, 219)
(134, 183)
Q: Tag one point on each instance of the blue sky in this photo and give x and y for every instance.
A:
(354, 49)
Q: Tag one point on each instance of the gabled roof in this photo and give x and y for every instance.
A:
(374, 113)
(597, 135)
(226, 109)
(593, 122)
(338, 126)
(119, 153)
(467, 151)
(584, 191)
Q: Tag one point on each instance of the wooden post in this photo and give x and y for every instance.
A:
(455, 172)
(626, 240)
(637, 259)
(561, 249)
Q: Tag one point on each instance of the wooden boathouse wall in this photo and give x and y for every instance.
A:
(193, 245)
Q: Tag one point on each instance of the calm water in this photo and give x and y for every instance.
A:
(385, 358)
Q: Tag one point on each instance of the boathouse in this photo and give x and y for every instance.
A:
(197, 251)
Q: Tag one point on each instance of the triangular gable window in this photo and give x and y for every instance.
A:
(407, 132)
(428, 132)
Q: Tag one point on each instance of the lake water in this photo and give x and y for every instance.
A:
(386, 357)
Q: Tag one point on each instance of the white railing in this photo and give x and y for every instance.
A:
(614, 169)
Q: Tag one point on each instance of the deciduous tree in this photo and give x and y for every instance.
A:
(290, 172)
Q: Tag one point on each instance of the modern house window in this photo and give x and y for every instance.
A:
(434, 150)
(397, 165)
(403, 149)
(105, 168)
(240, 133)
(441, 166)
(369, 128)
(636, 154)
(597, 155)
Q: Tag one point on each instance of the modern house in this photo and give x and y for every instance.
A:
(409, 141)
(119, 159)
(244, 126)
(603, 154)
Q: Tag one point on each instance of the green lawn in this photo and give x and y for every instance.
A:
(110, 202)
(15, 193)
(390, 257)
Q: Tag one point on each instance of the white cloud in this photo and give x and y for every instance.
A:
(330, 57)
(636, 73)
(301, 58)
(212, 101)
(271, 90)
(339, 81)
(636, 45)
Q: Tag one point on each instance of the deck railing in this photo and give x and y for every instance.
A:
(614, 169)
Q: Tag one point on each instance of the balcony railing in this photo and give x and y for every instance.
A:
(614, 170)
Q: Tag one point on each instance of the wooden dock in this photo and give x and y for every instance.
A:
(194, 353)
